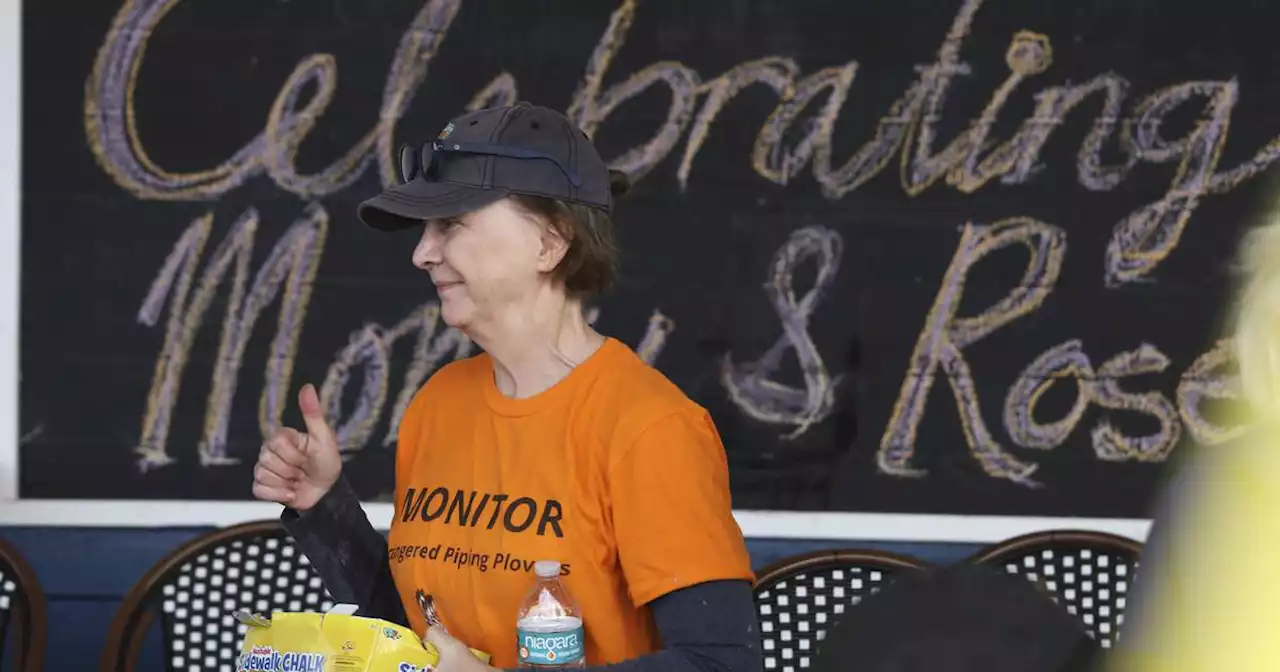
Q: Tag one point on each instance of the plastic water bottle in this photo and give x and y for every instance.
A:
(549, 626)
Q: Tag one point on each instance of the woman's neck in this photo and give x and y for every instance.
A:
(537, 348)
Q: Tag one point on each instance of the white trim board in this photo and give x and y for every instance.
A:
(10, 239)
(847, 527)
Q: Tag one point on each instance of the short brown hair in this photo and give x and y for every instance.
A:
(590, 266)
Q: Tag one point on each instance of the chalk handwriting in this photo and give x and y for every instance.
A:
(1101, 386)
(1057, 363)
(778, 163)
(1140, 241)
(501, 92)
(776, 72)
(288, 272)
(174, 284)
(908, 130)
(292, 263)
(945, 336)
(1143, 239)
(655, 337)
(1108, 442)
(751, 386)
(590, 107)
(1017, 160)
(370, 348)
(1199, 384)
(110, 119)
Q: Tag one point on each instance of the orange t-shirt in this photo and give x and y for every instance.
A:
(613, 471)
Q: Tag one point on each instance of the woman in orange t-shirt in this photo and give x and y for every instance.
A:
(556, 443)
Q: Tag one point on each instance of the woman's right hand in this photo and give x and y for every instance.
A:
(297, 469)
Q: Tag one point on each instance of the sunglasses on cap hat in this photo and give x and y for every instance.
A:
(424, 160)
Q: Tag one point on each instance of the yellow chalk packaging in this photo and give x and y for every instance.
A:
(335, 641)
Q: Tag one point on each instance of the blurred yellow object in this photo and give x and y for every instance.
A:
(1211, 600)
(1258, 321)
(1209, 585)
(335, 640)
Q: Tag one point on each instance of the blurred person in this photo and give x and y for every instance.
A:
(556, 442)
(1208, 589)
(960, 618)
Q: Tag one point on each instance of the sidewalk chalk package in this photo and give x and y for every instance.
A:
(335, 641)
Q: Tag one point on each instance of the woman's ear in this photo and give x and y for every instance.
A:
(554, 248)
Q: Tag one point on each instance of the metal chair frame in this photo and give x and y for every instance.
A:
(139, 609)
(1000, 553)
(793, 566)
(27, 615)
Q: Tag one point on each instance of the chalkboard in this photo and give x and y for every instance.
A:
(914, 256)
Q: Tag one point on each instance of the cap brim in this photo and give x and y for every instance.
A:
(410, 204)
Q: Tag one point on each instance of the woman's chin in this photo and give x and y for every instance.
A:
(454, 315)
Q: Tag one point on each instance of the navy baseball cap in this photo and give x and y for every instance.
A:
(485, 155)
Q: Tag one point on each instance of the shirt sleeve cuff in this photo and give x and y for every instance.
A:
(336, 509)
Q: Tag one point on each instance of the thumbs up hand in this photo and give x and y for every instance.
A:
(297, 469)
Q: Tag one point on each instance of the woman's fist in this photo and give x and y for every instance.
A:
(296, 469)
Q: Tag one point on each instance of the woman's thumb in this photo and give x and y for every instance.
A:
(313, 414)
(440, 638)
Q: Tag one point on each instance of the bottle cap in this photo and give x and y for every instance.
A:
(547, 569)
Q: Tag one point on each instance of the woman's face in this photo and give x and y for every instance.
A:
(486, 262)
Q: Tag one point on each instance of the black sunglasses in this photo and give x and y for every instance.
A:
(424, 161)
